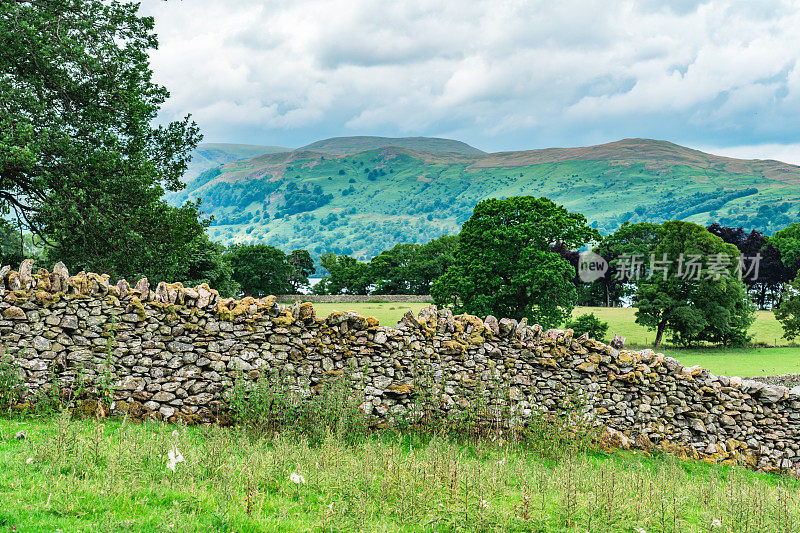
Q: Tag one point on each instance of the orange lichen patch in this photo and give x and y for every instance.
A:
(229, 309)
(306, 311)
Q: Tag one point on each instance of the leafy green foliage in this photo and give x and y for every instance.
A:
(410, 268)
(787, 241)
(346, 275)
(12, 250)
(505, 265)
(302, 267)
(713, 308)
(153, 240)
(588, 323)
(207, 264)
(12, 388)
(259, 269)
(788, 313)
(80, 161)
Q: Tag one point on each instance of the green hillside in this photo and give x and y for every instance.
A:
(210, 155)
(349, 145)
(365, 202)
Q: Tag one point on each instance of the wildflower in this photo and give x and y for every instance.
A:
(175, 457)
(484, 504)
(29, 460)
(716, 523)
(175, 433)
(502, 461)
(297, 479)
(640, 530)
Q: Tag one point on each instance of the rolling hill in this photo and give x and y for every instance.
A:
(365, 201)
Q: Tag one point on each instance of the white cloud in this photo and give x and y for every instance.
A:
(788, 153)
(502, 74)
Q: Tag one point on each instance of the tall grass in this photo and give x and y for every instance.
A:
(90, 475)
(295, 461)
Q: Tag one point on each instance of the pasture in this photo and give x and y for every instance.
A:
(108, 475)
(755, 361)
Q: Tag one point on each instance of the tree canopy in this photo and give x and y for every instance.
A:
(692, 289)
(80, 160)
(505, 263)
(410, 268)
(347, 275)
(302, 267)
(259, 269)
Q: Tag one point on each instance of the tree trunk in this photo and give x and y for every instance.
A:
(660, 333)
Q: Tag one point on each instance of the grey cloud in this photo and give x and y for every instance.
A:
(517, 74)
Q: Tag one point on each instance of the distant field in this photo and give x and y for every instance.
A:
(741, 361)
(729, 362)
(622, 320)
(389, 314)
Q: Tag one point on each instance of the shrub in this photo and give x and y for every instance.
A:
(589, 323)
(12, 388)
(268, 405)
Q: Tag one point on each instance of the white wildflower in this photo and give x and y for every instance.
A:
(716, 523)
(29, 460)
(297, 479)
(174, 457)
(502, 461)
(640, 530)
(484, 504)
(176, 433)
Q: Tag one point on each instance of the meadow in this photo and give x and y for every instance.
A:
(778, 358)
(109, 475)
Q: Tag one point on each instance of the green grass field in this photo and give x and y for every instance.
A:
(730, 362)
(389, 314)
(110, 476)
(622, 320)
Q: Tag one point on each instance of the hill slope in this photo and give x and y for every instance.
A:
(349, 145)
(365, 202)
(211, 155)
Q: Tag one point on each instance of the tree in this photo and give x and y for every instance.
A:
(154, 240)
(703, 303)
(80, 162)
(588, 323)
(302, 267)
(505, 263)
(629, 245)
(788, 314)
(259, 269)
(765, 273)
(787, 241)
(12, 250)
(410, 268)
(207, 264)
(347, 275)
(432, 261)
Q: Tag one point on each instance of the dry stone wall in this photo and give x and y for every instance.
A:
(172, 351)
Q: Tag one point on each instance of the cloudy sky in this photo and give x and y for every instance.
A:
(500, 75)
